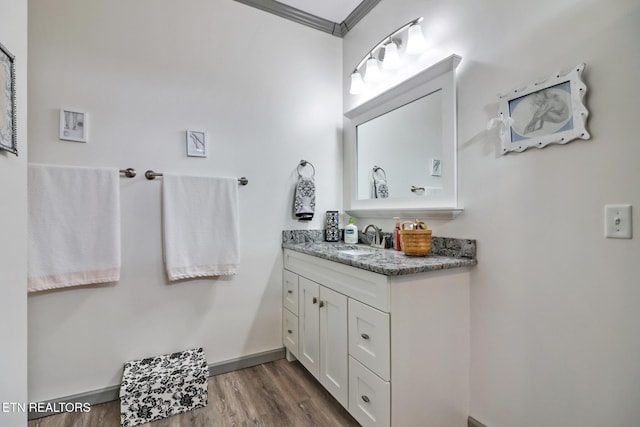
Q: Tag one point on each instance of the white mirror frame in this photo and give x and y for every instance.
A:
(440, 76)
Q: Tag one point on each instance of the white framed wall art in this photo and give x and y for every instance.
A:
(196, 143)
(549, 111)
(74, 125)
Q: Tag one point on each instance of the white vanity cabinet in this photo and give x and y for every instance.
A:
(393, 350)
(313, 323)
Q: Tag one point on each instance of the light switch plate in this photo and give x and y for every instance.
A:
(617, 221)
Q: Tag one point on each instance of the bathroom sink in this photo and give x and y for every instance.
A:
(357, 250)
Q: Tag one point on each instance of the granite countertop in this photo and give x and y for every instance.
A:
(445, 253)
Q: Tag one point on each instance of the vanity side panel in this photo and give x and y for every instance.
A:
(430, 349)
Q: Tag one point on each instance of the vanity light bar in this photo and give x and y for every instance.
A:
(356, 78)
(386, 39)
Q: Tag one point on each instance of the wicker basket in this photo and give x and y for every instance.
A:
(415, 242)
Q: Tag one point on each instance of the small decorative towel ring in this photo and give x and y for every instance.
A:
(378, 168)
(304, 163)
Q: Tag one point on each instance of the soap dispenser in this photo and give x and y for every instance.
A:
(351, 232)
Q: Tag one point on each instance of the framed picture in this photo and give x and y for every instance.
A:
(196, 144)
(550, 111)
(74, 125)
(436, 167)
(8, 138)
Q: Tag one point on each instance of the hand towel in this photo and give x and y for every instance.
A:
(305, 198)
(74, 226)
(381, 190)
(200, 226)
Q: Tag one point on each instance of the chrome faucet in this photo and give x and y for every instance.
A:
(378, 240)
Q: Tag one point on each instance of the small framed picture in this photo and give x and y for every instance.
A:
(196, 143)
(436, 167)
(8, 139)
(74, 125)
(550, 111)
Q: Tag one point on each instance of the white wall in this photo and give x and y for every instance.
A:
(13, 229)
(554, 318)
(268, 93)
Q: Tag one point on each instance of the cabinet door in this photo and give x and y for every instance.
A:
(290, 291)
(334, 362)
(309, 325)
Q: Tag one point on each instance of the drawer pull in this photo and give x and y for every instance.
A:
(289, 331)
(365, 398)
(321, 304)
(364, 336)
(314, 300)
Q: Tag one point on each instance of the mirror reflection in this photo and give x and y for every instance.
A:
(399, 153)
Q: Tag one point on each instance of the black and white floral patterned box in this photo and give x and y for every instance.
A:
(161, 386)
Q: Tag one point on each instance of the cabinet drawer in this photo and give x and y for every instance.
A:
(369, 396)
(369, 339)
(290, 291)
(290, 331)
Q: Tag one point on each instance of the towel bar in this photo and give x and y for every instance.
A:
(152, 175)
(128, 172)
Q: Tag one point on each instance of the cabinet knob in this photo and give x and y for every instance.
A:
(289, 291)
(365, 398)
(289, 331)
(314, 300)
(364, 336)
(321, 304)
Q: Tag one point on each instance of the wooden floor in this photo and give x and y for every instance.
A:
(275, 394)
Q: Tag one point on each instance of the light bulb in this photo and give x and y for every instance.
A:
(372, 73)
(391, 58)
(357, 85)
(415, 42)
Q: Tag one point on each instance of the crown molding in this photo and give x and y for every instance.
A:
(301, 17)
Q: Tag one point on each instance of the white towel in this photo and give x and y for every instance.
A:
(201, 227)
(74, 226)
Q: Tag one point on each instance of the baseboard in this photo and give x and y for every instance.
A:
(108, 394)
(475, 423)
(245, 362)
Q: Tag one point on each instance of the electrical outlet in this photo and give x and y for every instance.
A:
(617, 221)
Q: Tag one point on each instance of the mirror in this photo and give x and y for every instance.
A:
(396, 151)
(400, 151)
